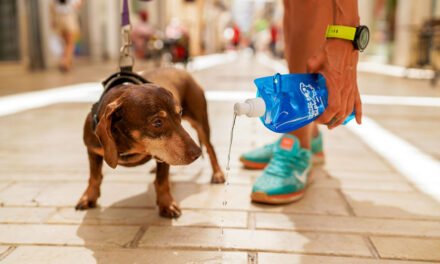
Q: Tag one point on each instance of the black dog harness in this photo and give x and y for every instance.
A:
(112, 81)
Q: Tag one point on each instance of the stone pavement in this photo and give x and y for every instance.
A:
(358, 210)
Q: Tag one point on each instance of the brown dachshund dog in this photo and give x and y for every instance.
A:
(137, 123)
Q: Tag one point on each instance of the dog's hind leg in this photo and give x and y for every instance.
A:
(167, 206)
(92, 193)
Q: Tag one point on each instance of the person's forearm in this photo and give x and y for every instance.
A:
(345, 12)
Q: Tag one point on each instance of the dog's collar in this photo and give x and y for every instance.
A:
(113, 81)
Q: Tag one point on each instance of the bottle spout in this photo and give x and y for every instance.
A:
(251, 107)
(242, 108)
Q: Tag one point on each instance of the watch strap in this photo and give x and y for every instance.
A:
(341, 32)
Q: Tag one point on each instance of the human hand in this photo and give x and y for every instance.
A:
(337, 62)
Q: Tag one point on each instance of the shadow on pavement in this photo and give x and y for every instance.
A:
(143, 213)
(353, 237)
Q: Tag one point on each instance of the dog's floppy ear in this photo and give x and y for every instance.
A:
(104, 133)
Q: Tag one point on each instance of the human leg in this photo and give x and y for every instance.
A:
(287, 173)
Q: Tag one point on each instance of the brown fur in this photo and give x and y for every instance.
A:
(141, 122)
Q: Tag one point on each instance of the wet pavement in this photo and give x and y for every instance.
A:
(361, 207)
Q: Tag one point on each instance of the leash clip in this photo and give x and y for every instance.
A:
(126, 59)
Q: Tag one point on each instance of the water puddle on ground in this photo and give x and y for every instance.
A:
(226, 184)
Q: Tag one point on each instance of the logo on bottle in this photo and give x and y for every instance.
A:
(312, 99)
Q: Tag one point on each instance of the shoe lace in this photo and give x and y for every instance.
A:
(284, 165)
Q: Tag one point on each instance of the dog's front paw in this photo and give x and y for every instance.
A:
(218, 177)
(88, 199)
(170, 211)
(85, 203)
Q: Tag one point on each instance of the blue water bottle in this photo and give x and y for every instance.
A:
(287, 102)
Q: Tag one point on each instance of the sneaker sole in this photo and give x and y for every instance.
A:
(261, 197)
(251, 165)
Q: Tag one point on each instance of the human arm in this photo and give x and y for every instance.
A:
(337, 62)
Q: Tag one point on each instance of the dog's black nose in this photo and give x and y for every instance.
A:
(195, 154)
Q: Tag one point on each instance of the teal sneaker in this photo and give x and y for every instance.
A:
(286, 176)
(258, 159)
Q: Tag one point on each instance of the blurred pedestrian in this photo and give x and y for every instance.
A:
(273, 38)
(64, 16)
(236, 37)
(310, 48)
(141, 34)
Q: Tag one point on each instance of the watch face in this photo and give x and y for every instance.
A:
(363, 38)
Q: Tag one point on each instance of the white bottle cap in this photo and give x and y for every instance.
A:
(254, 107)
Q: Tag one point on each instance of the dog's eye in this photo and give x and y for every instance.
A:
(181, 112)
(157, 123)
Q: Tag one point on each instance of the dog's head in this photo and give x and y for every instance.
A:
(147, 119)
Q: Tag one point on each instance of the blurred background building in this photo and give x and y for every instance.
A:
(404, 33)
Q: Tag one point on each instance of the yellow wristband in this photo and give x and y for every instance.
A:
(341, 32)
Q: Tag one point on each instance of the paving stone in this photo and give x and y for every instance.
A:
(201, 174)
(37, 176)
(333, 147)
(120, 194)
(349, 164)
(66, 234)
(363, 159)
(408, 248)
(189, 195)
(322, 201)
(25, 214)
(115, 194)
(425, 125)
(364, 175)
(74, 255)
(271, 258)
(61, 194)
(4, 185)
(240, 239)
(393, 204)
(22, 193)
(198, 172)
(142, 216)
(3, 250)
(358, 184)
(237, 175)
(344, 224)
(120, 174)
